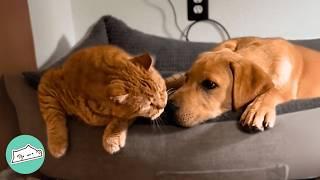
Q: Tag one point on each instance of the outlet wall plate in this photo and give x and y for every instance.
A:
(197, 10)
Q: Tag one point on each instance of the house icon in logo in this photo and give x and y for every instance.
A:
(26, 153)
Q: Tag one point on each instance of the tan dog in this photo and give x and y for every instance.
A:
(257, 72)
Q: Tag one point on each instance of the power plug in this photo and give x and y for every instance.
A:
(197, 10)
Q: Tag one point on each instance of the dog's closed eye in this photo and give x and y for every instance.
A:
(208, 84)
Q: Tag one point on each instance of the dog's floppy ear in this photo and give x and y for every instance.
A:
(249, 81)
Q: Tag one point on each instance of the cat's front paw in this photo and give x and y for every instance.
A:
(113, 143)
(57, 148)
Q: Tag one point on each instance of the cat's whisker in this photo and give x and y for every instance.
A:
(156, 125)
(171, 92)
(156, 122)
(163, 118)
(159, 123)
(153, 125)
(165, 121)
(169, 89)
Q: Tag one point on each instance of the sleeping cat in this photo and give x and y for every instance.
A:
(102, 86)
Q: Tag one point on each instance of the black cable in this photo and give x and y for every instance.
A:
(176, 20)
(185, 32)
(207, 20)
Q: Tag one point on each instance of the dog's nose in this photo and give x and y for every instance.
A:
(170, 110)
(171, 105)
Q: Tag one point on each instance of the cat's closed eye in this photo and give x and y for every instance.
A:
(156, 106)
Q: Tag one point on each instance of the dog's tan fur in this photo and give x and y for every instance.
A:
(257, 72)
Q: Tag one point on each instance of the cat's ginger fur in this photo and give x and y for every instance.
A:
(103, 86)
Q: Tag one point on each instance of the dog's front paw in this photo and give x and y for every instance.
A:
(259, 116)
(114, 142)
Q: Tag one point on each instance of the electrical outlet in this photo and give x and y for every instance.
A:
(197, 10)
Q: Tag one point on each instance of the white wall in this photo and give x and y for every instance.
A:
(52, 28)
(293, 19)
(51, 19)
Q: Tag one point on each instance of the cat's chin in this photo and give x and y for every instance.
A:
(157, 115)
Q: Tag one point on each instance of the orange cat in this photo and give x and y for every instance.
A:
(103, 86)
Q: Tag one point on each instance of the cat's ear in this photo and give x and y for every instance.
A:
(145, 60)
(120, 99)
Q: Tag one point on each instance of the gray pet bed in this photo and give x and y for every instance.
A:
(214, 150)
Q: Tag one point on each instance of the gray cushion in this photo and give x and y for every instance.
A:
(150, 151)
(278, 172)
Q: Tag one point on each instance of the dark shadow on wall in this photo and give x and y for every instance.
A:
(61, 49)
(64, 47)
